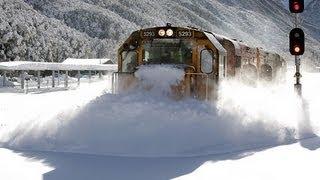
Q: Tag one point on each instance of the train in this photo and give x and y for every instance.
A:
(206, 58)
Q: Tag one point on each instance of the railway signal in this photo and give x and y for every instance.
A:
(297, 46)
(296, 6)
(297, 42)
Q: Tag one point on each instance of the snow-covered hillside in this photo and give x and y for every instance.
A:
(94, 28)
(26, 34)
(312, 15)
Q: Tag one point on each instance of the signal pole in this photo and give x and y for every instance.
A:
(298, 76)
(297, 46)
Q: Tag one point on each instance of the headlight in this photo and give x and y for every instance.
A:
(162, 32)
(169, 32)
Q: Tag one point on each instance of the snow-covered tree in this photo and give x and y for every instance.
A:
(26, 34)
(46, 30)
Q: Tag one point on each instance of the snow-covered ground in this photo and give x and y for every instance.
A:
(293, 162)
(89, 133)
(296, 161)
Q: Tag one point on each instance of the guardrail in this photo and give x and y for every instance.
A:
(22, 68)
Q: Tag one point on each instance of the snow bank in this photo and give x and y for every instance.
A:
(159, 77)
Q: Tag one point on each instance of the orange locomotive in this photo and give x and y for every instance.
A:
(205, 57)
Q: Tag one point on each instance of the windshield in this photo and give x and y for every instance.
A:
(167, 51)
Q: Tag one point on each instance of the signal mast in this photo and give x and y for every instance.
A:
(297, 38)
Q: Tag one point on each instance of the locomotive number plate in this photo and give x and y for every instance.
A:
(185, 34)
(148, 34)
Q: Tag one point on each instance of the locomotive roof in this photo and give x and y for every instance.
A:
(214, 38)
(216, 43)
(236, 44)
(209, 35)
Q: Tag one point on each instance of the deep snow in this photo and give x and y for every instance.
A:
(201, 140)
(294, 162)
(142, 123)
(297, 161)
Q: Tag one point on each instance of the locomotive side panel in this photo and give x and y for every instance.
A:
(231, 57)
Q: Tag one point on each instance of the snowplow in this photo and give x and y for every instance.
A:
(205, 57)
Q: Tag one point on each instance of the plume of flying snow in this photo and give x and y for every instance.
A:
(144, 123)
(159, 77)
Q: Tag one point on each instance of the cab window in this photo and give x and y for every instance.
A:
(167, 51)
(207, 60)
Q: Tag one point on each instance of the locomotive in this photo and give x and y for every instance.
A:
(205, 57)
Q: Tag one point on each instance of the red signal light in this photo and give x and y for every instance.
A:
(297, 49)
(296, 6)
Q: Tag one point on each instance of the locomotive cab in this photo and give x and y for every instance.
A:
(198, 53)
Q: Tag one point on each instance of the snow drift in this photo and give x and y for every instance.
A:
(144, 123)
